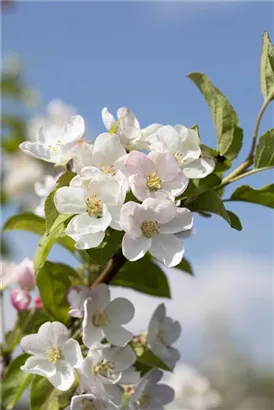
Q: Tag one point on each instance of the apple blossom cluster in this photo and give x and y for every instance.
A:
(129, 180)
(105, 357)
(23, 276)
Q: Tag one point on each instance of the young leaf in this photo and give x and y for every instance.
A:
(43, 396)
(144, 276)
(14, 383)
(210, 201)
(53, 281)
(264, 155)
(267, 66)
(51, 213)
(263, 196)
(234, 220)
(65, 178)
(185, 266)
(229, 134)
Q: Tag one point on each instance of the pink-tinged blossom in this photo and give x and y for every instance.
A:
(38, 302)
(20, 299)
(25, 275)
(154, 175)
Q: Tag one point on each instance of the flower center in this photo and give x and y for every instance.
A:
(110, 170)
(55, 147)
(88, 405)
(179, 158)
(94, 207)
(154, 182)
(144, 401)
(150, 228)
(104, 368)
(54, 354)
(99, 318)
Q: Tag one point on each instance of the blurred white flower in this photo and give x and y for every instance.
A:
(7, 274)
(192, 391)
(42, 189)
(54, 354)
(25, 274)
(90, 402)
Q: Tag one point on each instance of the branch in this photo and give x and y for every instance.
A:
(111, 270)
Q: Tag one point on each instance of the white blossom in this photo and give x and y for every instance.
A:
(82, 156)
(7, 274)
(25, 274)
(126, 126)
(97, 199)
(54, 354)
(104, 318)
(151, 227)
(184, 144)
(42, 189)
(56, 141)
(76, 298)
(154, 175)
(149, 394)
(106, 366)
(162, 333)
(90, 402)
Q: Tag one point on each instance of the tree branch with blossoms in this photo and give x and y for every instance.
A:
(122, 205)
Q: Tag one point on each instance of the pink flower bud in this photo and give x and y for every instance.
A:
(20, 299)
(38, 302)
(25, 275)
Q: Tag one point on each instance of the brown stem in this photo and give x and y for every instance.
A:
(111, 270)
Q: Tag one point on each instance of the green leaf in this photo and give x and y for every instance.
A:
(27, 222)
(198, 186)
(65, 178)
(210, 202)
(108, 247)
(15, 382)
(264, 155)
(43, 396)
(234, 221)
(267, 66)
(229, 134)
(151, 360)
(263, 196)
(53, 281)
(145, 276)
(51, 213)
(185, 266)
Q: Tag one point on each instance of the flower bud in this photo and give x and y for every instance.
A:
(25, 275)
(38, 302)
(20, 299)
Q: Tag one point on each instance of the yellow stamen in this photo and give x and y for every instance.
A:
(110, 170)
(150, 228)
(179, 158)
(94, 207)
(154, 182)
(104, 368)
(144, 401)
(54, 354)
(99, 318)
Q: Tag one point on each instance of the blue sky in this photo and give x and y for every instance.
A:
(137, 55)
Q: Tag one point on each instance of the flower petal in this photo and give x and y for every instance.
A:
(107, 149)
(199, 168)
(183, 221)
(64, 377)
(91, 333)
(130, 220)
(70, 200)
(114, 393)
(155, 322)
(53, 333)
(173, 333)
(72, 353)
(134, 249)
(41, 151)
(39, 365)
(165, 164)
(138, 163)
(108, 119)
(100, 295)
(167, 249)
(117, 335)
(130, 376)
(33, 344)
(120, 311)
(160, 210)
(122, 358)
(163, 394)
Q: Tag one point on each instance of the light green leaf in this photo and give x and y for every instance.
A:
(43, 396)
(264, 155)
(65, 178)
(234, 220)
(229, 134)
(145, 276)
(27, 222)
(15, 382)
(185, 266)
(267, 66)
(210, 201)
(263, 196)
(108, 247)
(53, 281)
(51, 213)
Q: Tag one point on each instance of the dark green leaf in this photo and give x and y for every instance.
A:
(229, 135)
(267, 66)
(263, 196)
(106, 250)
(234, 221)
(185, 266)
(198, 186)
(150, 359)
(53, 281)
(264, 155)
(43, 396)
(15, 382)
(145, 276)
(210, 202)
